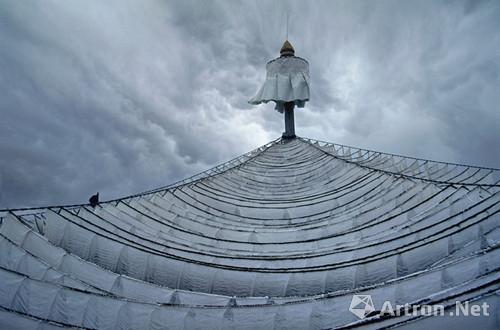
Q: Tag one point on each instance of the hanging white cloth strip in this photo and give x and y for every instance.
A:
(287, 80)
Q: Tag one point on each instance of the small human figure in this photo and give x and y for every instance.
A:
(94, 200)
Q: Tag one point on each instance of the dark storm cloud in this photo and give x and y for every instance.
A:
(124, 96)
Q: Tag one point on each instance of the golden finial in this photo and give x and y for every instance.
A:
(287, 49)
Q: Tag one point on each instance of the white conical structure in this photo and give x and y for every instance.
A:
(282, 237)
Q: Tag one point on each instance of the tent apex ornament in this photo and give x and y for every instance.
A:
(287, 49)
(286, 84)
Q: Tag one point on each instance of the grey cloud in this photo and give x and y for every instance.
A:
(125, 96)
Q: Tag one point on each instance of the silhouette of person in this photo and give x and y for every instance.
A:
(94, 200)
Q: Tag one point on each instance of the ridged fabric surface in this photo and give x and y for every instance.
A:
(279, 238)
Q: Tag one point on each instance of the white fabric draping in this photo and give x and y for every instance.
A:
(280, 239)
(287, 80)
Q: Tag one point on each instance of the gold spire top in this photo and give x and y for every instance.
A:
(287, 49)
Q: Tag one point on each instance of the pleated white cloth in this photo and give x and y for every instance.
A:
(287, 80)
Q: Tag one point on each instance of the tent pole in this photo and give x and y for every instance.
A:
(289, 121)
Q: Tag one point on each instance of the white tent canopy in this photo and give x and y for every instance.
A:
(281, 237)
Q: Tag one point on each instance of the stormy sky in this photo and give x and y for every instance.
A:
(125, 96)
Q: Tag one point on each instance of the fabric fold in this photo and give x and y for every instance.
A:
(287, 80)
